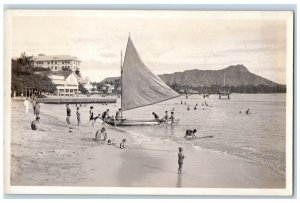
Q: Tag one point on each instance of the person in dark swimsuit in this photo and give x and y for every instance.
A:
(190, 133)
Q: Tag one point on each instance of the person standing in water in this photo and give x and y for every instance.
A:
(188, 107)
(118, 114)
(248, 111)
(172, 118)
(165, 118)
(180, 160)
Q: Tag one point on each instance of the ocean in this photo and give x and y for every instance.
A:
(258, 137)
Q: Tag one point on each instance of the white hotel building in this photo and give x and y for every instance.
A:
(56, 62)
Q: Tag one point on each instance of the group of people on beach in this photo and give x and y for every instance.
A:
(92, 118)
(35, 106)
(101, 135)
(35, 124)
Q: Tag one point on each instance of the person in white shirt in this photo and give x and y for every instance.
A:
(26, 104)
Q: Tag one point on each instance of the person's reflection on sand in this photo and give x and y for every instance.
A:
(179, 180)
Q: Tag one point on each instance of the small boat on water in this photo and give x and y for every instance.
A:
(140, 87)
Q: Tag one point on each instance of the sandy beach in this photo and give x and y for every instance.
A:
(57, 157)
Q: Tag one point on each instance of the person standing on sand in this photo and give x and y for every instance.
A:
(33, 104)
(105, 114)
(180, 160)
(26, 104)
(78, 116)
(91, 114)
(37, 109)
(68, 115)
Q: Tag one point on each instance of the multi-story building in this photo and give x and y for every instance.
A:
(66, 82)
(56, 62)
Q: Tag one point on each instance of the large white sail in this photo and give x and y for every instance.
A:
(140, 87)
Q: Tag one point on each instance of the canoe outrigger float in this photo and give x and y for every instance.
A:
(125, 122)
(140, 87)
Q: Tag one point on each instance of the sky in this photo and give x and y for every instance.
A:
(166, 41)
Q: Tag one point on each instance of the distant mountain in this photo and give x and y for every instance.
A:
(109, 80)
(236, 75)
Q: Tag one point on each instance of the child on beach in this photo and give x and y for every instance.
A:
(101, 132)
(190, 133)
(34, 124)
(122, 144)
(180, 160)
(78, 116)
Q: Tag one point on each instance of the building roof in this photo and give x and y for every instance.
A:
(42, 57)
(63, 73)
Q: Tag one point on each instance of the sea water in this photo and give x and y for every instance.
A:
(222, 125)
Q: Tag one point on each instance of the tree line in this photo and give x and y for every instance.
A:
(23, 76)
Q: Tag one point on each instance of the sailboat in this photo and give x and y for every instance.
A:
(140, 87)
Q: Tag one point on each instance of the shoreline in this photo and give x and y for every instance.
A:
(60, 158)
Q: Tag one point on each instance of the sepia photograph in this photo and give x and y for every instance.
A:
(148, 102)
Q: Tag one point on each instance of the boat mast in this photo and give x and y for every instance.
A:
(224, 80)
